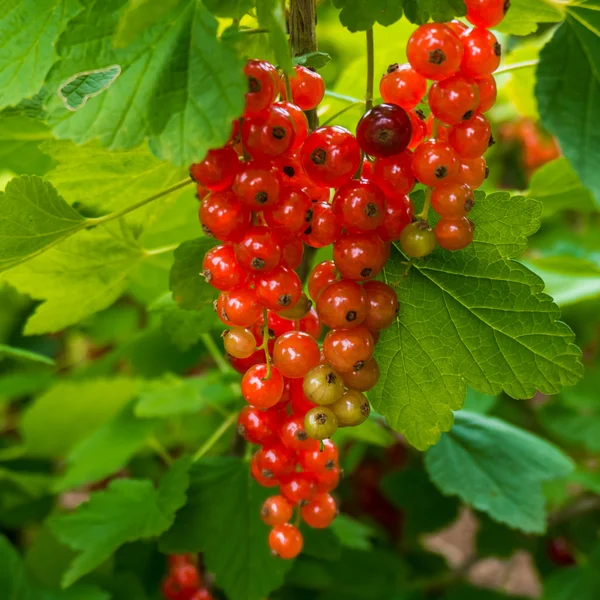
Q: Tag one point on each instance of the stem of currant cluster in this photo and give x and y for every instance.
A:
(288, 86)
(265, 344)
(370, 70)
(423, 214)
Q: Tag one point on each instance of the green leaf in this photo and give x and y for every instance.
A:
(20, 138)
(271, 16)
(316, 60)
(25, 355)
(16, 583)
(581, 582)
(14, 385)
(360, 15)
(138, 16)
(72, 411)
(525, 16)
(80, 276)
(497, 468)
(81, 87)
(464, 592)
(106, 450)
(229, 9)
(99, 180)
(479, 403)
(472, 317)
(128, 510)
(29, 30)
(32, 217)
(189, 289)
(568, 90)
(183, 86)
(352, 533)
(557, 185)
(575, 426)
(174, 396)
(223, 504)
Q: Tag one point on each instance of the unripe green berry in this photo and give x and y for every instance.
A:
(322, 385)
(320, 423)
(351, 409)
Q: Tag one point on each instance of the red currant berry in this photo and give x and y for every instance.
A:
(470, 139)
(348, 349)
(482, 52)
(360, 256)
(454, 234)
(269, 134)
(382, 305)
(292, 213)
(277, 326)
(300, 122)
(285, 541)
(308, 88)
(293, 435)
(328, 480)
(317, 193)
(276, 510)
(472, 172)
(292, 253)
(275, 460)
(454, 99)
(299, 488)
(221, 269)
(291, 171)
(295, 354)
(311, 324)
(257, 185)
(342, 304)
(223, 216)
(262, 86)
(258, 426)
(324, 229)
(418, 121)
(321, 276)
(259, 389)
(442, 133)
(217, 170)
(330, 156)
(434, 162)
(239, 307)
(239, 342)
(417, 240)
(487, 92)
(241, 365)
(201, 594)
(278, 289)
(398, 214)
(320, 512)
(452, 200)
(384, 130)
(458, 27)
(486, 13)
(267, 480)
(403, 86)
(364, 379)
(176, 560)
(258, 250)
(317, 461)
(359, 206)
(434, 51)
(299, 402)
(394, 174)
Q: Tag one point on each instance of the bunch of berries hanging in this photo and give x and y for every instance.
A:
(276, 187)
(183, 580)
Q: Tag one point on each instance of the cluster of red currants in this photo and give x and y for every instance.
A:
(275, 188)
(183, 580)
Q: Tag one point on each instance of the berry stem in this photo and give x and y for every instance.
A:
(341, 112)
(370, 70)
(343, 97)
(423, 214)
(526, 64)
(163, 250)
(215, 437)
(288, 87)
(155, 444)
(265, 345)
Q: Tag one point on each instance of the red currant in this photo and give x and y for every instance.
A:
(292, 213)
(324, 229)
(384, 130)
(487, 92)
(223, 216)
(311, 324)
(295, 354)
(262, 86)
(399, 213)
(299, 488)
(382, 305)
(308, 88)
(320, 512)
(403, 86)
(470, 139)
(239, 307)
(348, 349)
(321, 276)
(435, 162)
(221, 269)
(279, 288)
(454, 99)
(300, 122)
(276, 510)
(269, 134)
(293, 435)
(454, 234)
(317, 461)
(452, 200)
(360, 256)
(417, 240)
(482, 52)
(328, 480)
(486, 13)
(291, 171)
(267, 480)
(259, 389)
(217, 170)
(418, 121)
(258, 426)
(292, 253)
(299, 402)
(359, 206)
(342, 304)
(257, 185)
(394, 174)
(472, 172)
(258, 250)
(241, 365)
(364, 379)
(285, 541)
(330, 156)
(434, 51)
(275, 460)
(239, 342)
(458, 27)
